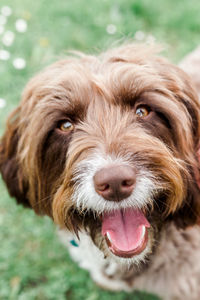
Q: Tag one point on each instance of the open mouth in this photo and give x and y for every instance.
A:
(125, 231)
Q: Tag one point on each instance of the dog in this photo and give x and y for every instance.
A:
(107, 146)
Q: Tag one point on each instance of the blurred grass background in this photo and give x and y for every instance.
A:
(33, 264)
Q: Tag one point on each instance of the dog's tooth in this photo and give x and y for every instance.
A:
(143, 231)
(108, 236)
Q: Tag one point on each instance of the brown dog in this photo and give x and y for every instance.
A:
(106, 146)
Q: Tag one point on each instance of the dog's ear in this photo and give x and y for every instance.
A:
(9, 166)
(189, 212)
(197, 173)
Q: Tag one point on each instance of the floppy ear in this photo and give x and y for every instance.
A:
(190, 64)
(197, 173)
(9, 167)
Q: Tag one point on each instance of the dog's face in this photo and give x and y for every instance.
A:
(107, 143)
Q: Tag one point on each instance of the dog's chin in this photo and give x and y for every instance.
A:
(136, 259)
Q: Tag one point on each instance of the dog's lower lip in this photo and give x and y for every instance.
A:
(131, 253)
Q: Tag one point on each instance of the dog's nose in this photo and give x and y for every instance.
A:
(115, 183)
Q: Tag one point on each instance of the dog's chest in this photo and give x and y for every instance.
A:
(174, 272)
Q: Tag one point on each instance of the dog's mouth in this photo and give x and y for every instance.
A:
(125, 231)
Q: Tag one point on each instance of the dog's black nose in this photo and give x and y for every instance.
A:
(115, 183)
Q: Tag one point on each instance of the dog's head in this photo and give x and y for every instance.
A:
(107, 143)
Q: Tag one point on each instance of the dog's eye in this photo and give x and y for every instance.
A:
(66, 126)
(142, 111)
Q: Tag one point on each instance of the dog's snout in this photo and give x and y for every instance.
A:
(115, 183)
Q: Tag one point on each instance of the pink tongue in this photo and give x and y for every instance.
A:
(125, 229)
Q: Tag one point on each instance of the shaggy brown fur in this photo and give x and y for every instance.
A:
(99, 95)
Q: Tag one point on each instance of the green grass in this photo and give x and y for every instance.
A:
(33, 264)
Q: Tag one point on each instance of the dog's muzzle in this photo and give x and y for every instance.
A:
(125, 230)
